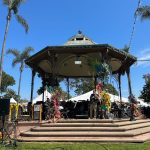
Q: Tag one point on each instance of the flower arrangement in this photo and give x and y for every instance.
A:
(105, 97)
(101, 69)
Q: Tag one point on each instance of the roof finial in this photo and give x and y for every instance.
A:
(79, 32)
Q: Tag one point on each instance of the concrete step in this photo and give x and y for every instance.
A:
(95, 124)
(91, 131)
(75, 129)
(135, 126)
(81, 139)
(79, 134)
(91, 120)
(139, 131)
(94, 120)
(127, 123)
(102, 129)
(79, 125)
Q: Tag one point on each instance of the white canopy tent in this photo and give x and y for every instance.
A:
(13, 101)
(88, 94)
(113, 98)
(142, 103)
(40, 97)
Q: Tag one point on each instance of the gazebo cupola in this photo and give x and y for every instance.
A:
(79, 39)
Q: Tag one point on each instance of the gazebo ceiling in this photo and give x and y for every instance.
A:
(60, 60)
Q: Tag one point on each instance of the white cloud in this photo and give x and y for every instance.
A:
(144, 55)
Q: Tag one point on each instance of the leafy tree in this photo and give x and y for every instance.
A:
(84, 85)
(24, 100)
(111, 89)
(13, 6)
(11, 93)
(81, 85)
(63, 94)
(19, 58)
(7, 81)
(145, 93)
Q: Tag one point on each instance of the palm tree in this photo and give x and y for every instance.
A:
(19, 58)
(13, 6)
(143, 12)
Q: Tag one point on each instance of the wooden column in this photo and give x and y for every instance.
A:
(43, 86)
(129, 81)
(95, 82)
(119, 80)
(132, 118)
(32, 86)
(68, 91)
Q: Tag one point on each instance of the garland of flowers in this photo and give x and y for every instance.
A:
(105, 97)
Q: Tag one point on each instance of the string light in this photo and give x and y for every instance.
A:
(134, 23)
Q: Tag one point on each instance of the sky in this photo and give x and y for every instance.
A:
(53, 22)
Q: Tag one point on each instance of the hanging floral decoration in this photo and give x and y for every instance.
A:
(101, 69)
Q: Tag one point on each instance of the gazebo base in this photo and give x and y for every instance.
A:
(89, 130)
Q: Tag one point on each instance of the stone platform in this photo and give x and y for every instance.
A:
(85, 130)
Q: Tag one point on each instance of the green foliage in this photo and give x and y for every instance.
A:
(81, 146)
(111, 89)
(126, 49)
(143, 12)
(84, 85)
(63, 94)
(19, 58)
(13, 6)
(101, 69)
(23, 100)
(145, 93)
(81, 85)
(11, 93)
(146, 77)
(7, 81)
(23, 22)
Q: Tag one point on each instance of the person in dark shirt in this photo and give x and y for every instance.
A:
(94, 98)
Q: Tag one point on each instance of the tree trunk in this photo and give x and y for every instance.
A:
(32, 86)
(3, 47)
(21, 70)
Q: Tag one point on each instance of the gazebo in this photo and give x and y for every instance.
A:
(70, 61)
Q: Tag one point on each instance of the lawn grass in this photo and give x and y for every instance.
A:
(79, 146)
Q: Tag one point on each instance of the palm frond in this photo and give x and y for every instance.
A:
(14, 52)
(23, 22)
(26, 53)
(16, 3)
(6, 2)
(126, 49)
(143, 12)
(16, 61)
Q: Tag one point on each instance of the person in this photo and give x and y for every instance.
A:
(48, 108)
(94, 98)
(29, 109)
(132, 107)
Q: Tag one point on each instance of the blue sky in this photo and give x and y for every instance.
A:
(52, 22)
